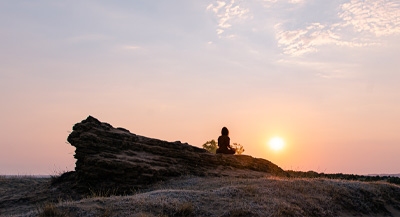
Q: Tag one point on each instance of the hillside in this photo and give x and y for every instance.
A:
(119, 173)
(215, 196)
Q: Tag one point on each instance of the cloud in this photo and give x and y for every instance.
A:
(379, 17)
(337, 70)
(296, 1)
(284, 1)
(301, 41)
(130, 47)
(354, 23)
(361, 23)
(215, 8)
(270, 3)
(228, 13)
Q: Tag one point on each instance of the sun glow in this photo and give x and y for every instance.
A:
(276, 143)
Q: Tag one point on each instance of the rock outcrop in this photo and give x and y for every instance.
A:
(114, 158)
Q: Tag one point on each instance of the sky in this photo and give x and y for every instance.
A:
(322, 75)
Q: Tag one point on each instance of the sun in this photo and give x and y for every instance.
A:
(276, 143)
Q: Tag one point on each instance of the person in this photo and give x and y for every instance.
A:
(223, 143)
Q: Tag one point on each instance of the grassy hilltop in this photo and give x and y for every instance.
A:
(209, 196)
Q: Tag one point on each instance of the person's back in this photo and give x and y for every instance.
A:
(224, 143)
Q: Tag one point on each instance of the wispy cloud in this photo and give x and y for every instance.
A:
(301, 41)
(361, 24)
(270, 3)
(380, 17)
(338, 70)
(130, 47)
(355, 23)
(228, 13)
(296, 1)
(286, 1)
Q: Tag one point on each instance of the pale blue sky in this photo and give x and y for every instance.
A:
(321, 74)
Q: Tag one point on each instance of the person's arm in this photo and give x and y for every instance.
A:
(229, 143)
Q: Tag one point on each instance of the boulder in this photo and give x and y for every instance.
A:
(114, 158)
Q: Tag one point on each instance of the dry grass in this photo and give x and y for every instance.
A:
(102, 193)
(49, 210)
(246, 197)
(18, 183)
(21, 193)
(268, 196)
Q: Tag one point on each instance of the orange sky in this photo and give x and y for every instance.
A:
(182, 70)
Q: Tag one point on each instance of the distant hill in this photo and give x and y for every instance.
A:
(366, 178)
(381, 175)
(26, 176)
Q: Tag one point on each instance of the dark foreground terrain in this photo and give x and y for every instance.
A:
(119, 173)
(234, 195)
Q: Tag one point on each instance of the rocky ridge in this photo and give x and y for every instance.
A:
(114, 158)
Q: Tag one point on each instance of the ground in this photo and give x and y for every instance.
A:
(209, 196)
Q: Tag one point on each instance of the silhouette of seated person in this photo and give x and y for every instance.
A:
(223, 143)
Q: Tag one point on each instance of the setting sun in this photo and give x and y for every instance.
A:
(276, 143)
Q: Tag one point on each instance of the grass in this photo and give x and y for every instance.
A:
(102, 193)
(49, 209)
(57, 173)
(229, 196)
(184, 209)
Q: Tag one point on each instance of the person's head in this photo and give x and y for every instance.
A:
(225, 131)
